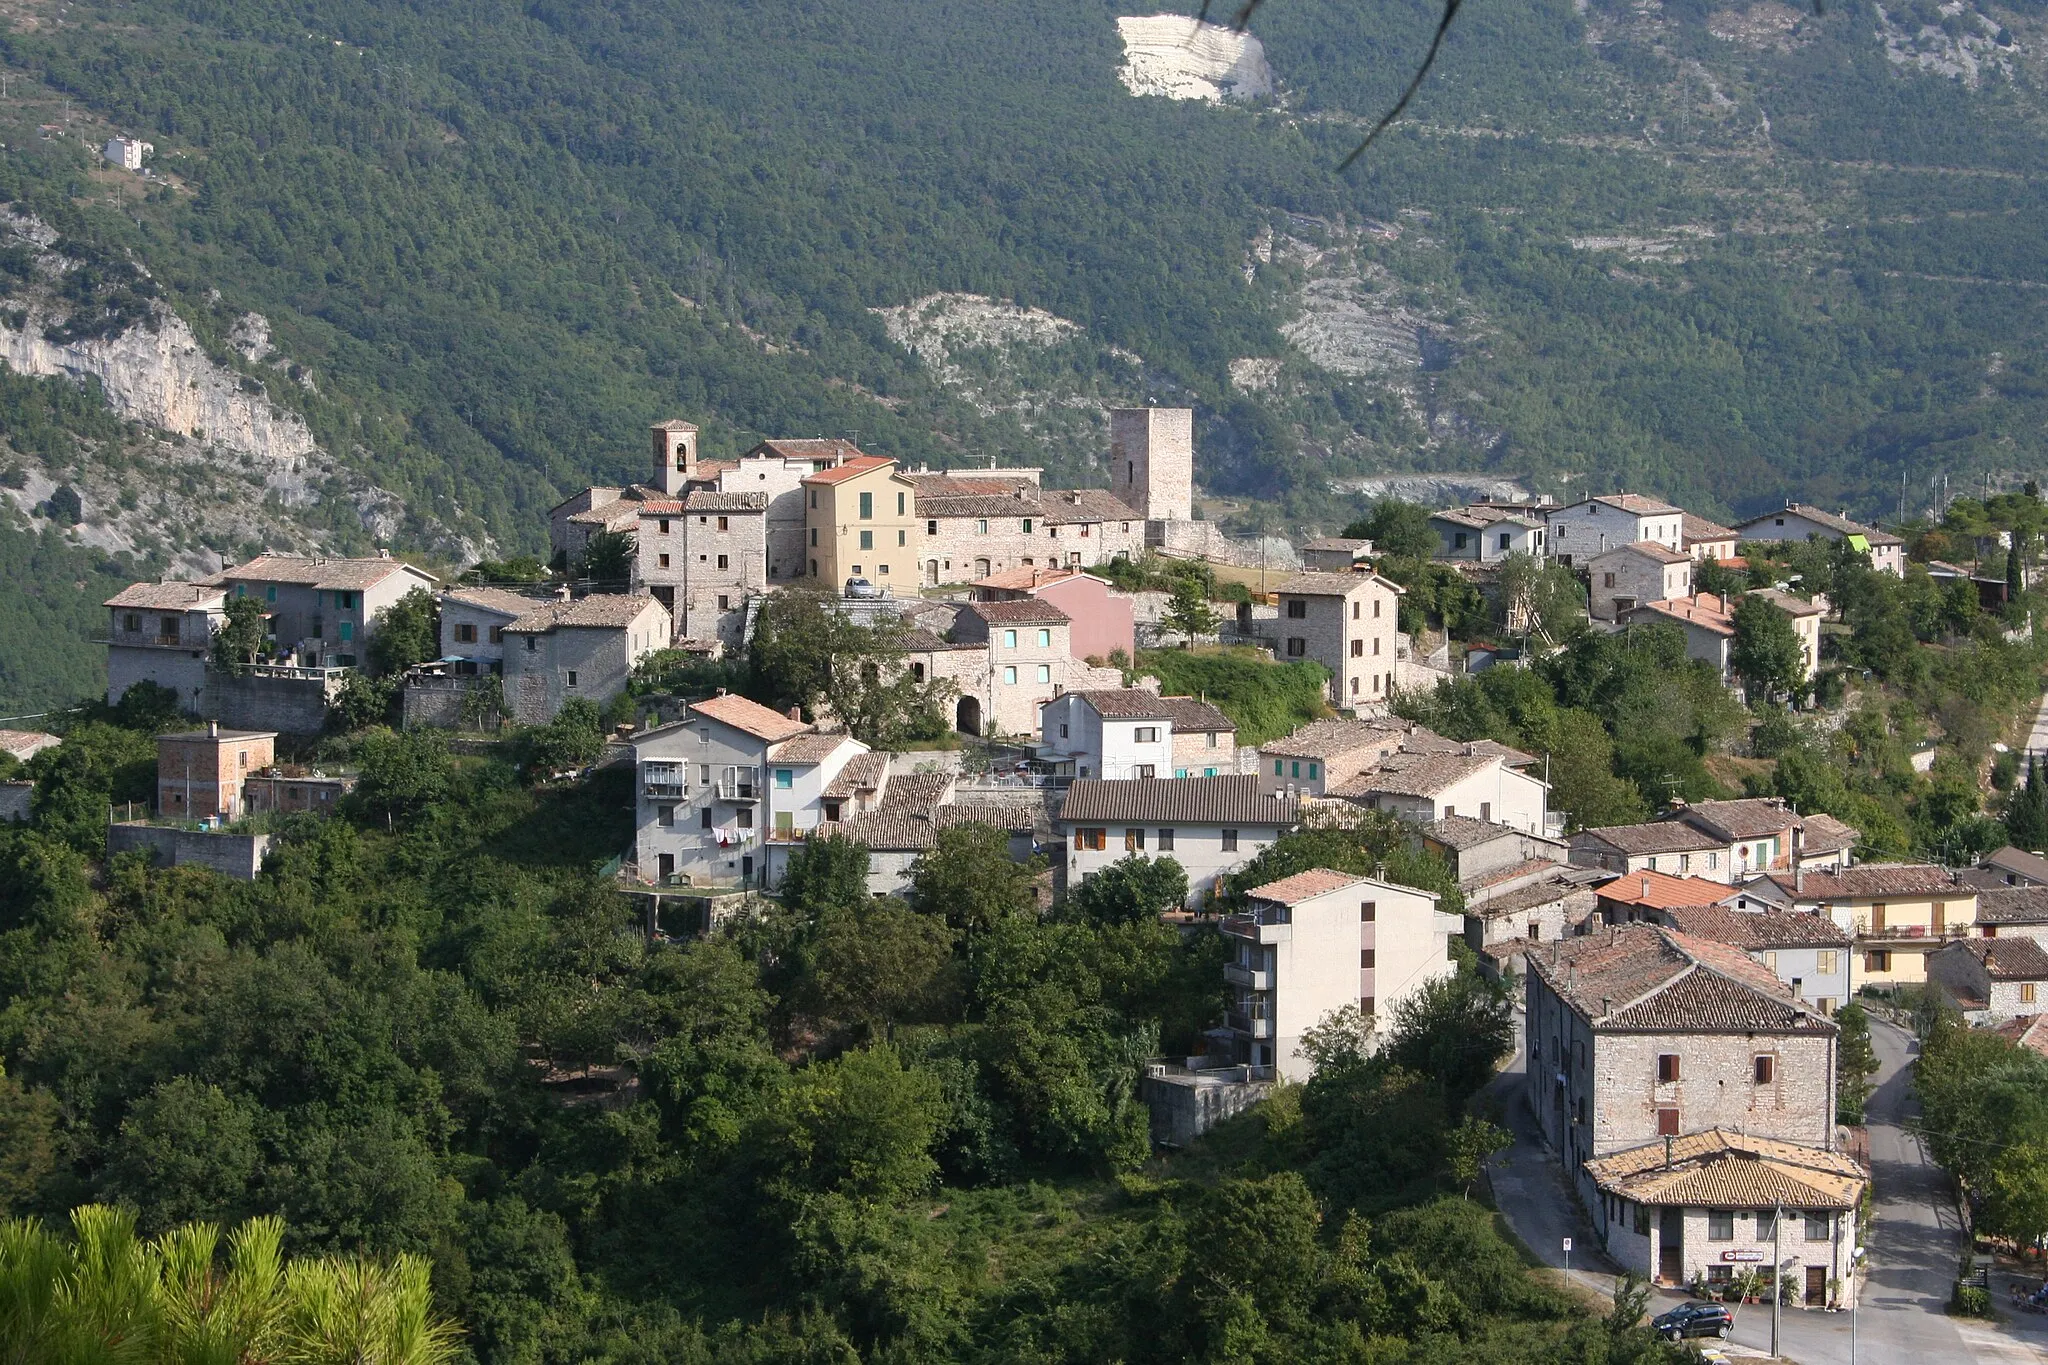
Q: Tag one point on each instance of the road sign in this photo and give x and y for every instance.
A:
(1567, 1244)
(1742, 1255)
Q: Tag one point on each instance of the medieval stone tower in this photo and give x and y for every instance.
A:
(1152, 461)
(675, 454)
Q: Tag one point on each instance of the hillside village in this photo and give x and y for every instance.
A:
(986, 656)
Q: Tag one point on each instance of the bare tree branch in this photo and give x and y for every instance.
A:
(1451, 8)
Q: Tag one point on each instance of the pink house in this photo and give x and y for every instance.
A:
(1102, 617)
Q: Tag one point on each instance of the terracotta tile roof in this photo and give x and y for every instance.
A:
(1821, 833)
(2028, 1032)
(1461, 832)
(1421, 741)
(1656, 836)
(907, 819)
(1549, 891)
(492, 599)
(168, 596)
(599, 611)
(2032, 866)
(946, 485)
(810, 448)
(1500, 876)
(1644, 549)
(1457, 517)
(1750, 818)
(995, 814)
(1754, 931)
(2009, 959)
(1718, 1169)
(743, 713)
(1331, 584)
(1635, 503)
(948, 507)
(1646, 978)
(1786, 602)
(675, 424)
(1070, 506)
(1697, 529)
(1192, 716)
(1302, 886)
(1704, 610)
(1227, 801)
(1870, 880)
(1834, 522)
(708, 501)
(1414, 774)
(345, 574)
(1029, 612)
(26, 744)
(863, 772)
(1338, 543)
(808, 749)
(1125, 703)
(1329, 738)
(2013, 905)
(1026, 577)
(1658, 891)
(853, 468)
(918, 640)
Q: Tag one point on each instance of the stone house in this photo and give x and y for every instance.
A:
(1595, 525)
(1348, 623)
(1209, 825)
(775, 470)
(1335, 554)
(1629, 575)
(473, 622)
(1640, 1033)
(2005, 912)
(1204, 739)
(1723, 841)
(1704, 540)
(1798, 521)
(583, 648)
(321, 613)
(1029, 659)
(1992, 980)
(724, 561)
(1152, 461)
(1324, 753)
(1508, 925)
(1431, 784)
(1809, 953)
(1291, 963)
(1485, 855)
(857, 519)
(1712, 1205)
(199, 773)
(163, 633)
(1102, 618)
(1487, 535)
(1899, 913)
(2015, 867)
(1706, 619)
(1641, 897)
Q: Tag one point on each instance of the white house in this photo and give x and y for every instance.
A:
(1426, 786)
(702, 793)
(1131, 732)
(1594, 525)
(1291, 962)
(1485, 534)
(1798, 521)
(1209, 825)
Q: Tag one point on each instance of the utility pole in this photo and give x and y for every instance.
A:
(1777, 1262)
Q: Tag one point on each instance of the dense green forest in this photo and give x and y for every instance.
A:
(846, 1128)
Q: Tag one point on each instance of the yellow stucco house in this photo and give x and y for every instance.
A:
(858, 520)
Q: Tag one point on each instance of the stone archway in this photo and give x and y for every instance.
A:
(968, 716)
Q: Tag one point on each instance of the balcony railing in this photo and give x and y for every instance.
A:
(1254, 1025)
(1905, 932)
(667, 790)
(1267, 926)
(1250, 978)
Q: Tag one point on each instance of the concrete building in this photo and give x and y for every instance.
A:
(1991, 981)
(1348, 623)
(1130, 732)
(858, 518)
(1705, 540)
(1712, 1205)
(1429, 785)
(473, 622)
(1899, 913)
(1641, 1033)
(321, 613)
(702, 788)
(1335, 554)
(1593, 526)
(1209, 825)
(163, 633)
(199, 773)
(582, 648)
(1101, 617)
(1798, 521)
(1152, 461)
(1629, 575)
(127, 152)
(1291, 963)
(288, 793)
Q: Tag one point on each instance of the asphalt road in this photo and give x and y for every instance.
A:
(1914, 1242)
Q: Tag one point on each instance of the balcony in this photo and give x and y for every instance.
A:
(1259, 927)
(1255, 1026)
(666, 791)
(1247, 978)
(1908, 933)
(739, 791)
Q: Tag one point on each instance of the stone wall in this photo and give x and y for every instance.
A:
(1184, 1105)
(433, 705)
(290, 706)
(232, 855)
(15, 798)
(1716, 1087)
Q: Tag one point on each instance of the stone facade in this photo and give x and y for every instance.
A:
(232, 855)
(1348, 623)
(163, 633)
(586, 648)
(1152, 461)
(289, 701)
(16, 800)
(1596, 525)
(322, 612)
(1630, 575)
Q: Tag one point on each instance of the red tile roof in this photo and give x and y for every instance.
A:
(860, 464)
(1303, 886)
(743, 713)
(1659, 891)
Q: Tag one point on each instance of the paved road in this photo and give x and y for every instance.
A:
(2037, 741)
(1914, 1242)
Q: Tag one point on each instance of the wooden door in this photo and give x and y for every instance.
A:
(1816, 1286)
(1671, 1246)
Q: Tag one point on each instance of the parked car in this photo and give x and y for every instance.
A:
(860, 587)
(1694, 1320)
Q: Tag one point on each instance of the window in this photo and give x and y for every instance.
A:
(1297, 609)
(132, 621)
(1095, 839)
(814, 545)
(466, 633)
(664, 525)
(724, 562)
(704, 818)
(1144, 770)
(704, 737)
(270, 593)
(1009, 639)
(1368, 911)
(1667, 1123)
(1027, 526)
(662, 560)
(1375, 611)
(1878, 961)
(1458, 541)
(1358, 650)
(1146, 734)
(665, 815)
(981, 526)
(1010, 676)
(883, 570)
(348, 631)
(784, 779)
(867, 507)
(1607, 580)
(1045, 639)
(931, 528)
(341, 599)
(1296, 646)
(725, 523)
(867, 540)
(1278, 766)
(1504, 540)
(1720, 1225)
(1295, 768)
(1045, 673)
(902, 538)
(814, 497)
(1766, 1224)
(900, 507)
(572, 677)
(724, 602)
(1134, 841)
(1667, 1068)
(814, 563)
(1166, 841)
(1818, 1226)
(2026, 992)
(1766, 1067)
(1713, 862)
(1365, 1004)
(1063, 731)
(1365, 959)
(1642, 1220)
(1230, 841)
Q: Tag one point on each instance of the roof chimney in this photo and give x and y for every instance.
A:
(796, 713)
(213, 729)
(563, 594)
(1798, 859)
(1667, 1151)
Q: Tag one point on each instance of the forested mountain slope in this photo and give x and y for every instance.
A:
(1730, 254)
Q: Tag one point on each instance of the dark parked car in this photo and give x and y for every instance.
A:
(1694, 1320)
(860, 587)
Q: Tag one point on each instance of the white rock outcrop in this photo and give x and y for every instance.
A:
(1181, 58)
